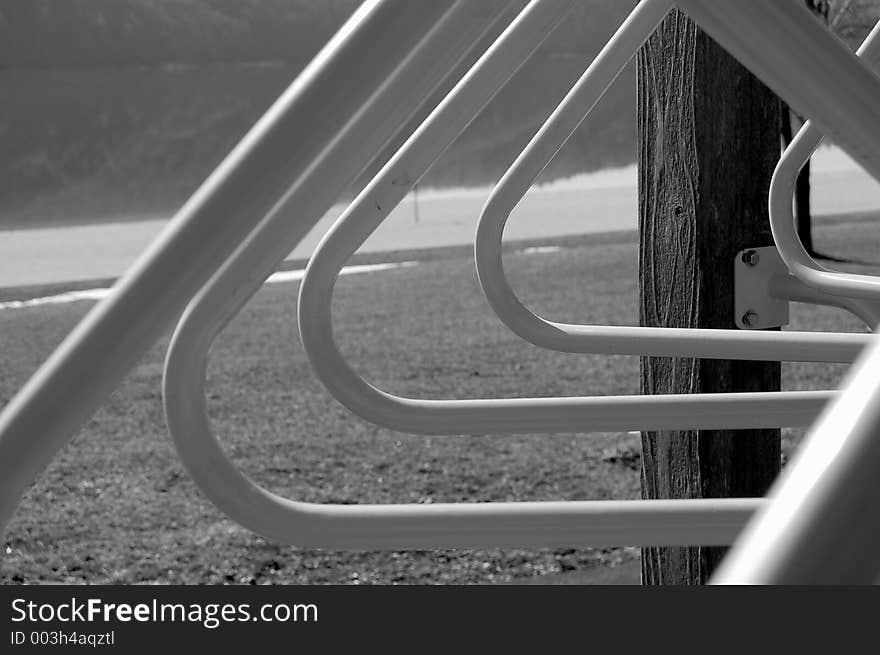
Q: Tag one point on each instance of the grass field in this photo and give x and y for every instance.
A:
(117, 507)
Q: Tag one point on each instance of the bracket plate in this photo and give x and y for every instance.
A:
(754, 307)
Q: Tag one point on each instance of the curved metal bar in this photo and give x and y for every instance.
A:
(820, 525)
(308, 148)
(651, 341)
(416, 526)
(509, 416)
(782, 220)
(788, 287)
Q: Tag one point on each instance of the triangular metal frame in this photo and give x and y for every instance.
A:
(263, 179)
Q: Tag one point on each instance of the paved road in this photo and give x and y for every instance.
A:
(590, 204)
(106, 250)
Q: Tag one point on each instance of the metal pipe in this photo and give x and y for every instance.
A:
(507, 416)
(649, 341)
(383, 43)
(262, 174)
(394, 526)
(408, 526)
(702, 521)
(820, 526)
(782, 220)
(788, 287)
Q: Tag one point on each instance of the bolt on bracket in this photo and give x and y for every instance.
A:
(754, 307)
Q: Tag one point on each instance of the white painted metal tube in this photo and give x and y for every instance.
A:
(821, 525)
(508, 416)
(377, 54)
(782, 220)
(408, 526)
(652, 341)
(460, 525)
(316, 525)
(790, 51)
(788, 287)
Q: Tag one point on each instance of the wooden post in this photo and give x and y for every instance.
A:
(708, 143)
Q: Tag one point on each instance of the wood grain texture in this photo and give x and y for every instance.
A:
(708, 142)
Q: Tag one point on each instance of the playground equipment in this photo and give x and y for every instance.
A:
(266, 196)
(782, 221)
(667, 342)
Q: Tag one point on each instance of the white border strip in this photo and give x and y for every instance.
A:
(275, 278)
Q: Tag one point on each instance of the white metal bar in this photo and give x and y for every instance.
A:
(821, 526)
(346, 526)
(508, 416)
(701, 521)
(460, 525)
(466, 525)
(788, 287)
(652, 341)
(311, 144)
(782, 220)
(245, 188)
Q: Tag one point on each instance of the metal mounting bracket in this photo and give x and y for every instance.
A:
(754, 307)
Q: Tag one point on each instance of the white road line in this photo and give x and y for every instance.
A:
(539, 250)
(275, 278)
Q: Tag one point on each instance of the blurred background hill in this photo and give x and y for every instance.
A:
(118, 109)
